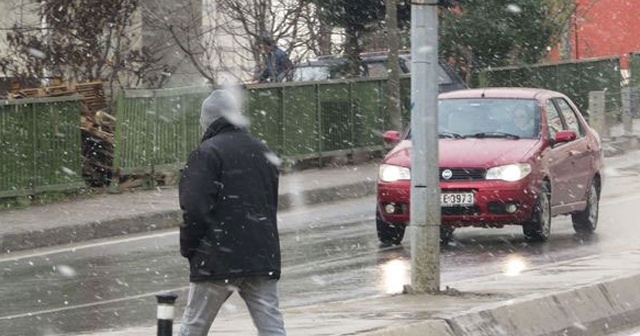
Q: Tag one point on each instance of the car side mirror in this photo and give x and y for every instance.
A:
(565, 136)
(391, 136)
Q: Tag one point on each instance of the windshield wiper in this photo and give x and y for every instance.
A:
(494, 135)
(450, 135)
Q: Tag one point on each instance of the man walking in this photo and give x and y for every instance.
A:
(228, 194)
(277, 64)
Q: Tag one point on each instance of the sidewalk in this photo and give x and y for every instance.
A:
(575, 297)
(109, 215)
(568, 298)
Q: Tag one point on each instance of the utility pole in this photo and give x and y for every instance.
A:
(393, 80)
(425, 189)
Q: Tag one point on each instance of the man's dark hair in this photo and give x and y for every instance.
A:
(266, 40)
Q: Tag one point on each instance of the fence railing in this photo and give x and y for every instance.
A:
(158, 128)
(575, 79)
(41, 146)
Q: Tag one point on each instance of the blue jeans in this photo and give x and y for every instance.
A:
(205, 299)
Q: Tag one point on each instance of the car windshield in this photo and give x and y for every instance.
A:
(488, 118)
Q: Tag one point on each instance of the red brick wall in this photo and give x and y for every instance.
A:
(605, 28)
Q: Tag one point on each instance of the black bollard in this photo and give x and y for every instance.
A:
(166, 303)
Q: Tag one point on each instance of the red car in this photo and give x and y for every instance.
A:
(508, 156)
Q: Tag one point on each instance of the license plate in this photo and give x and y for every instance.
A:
(456, 199)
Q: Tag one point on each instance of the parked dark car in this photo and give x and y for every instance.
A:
(373, 64)
(507, 156)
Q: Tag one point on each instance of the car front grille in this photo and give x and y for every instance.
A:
(462, 174)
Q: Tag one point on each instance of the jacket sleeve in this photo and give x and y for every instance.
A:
(198, 193)
(283, 60)
(263, 75)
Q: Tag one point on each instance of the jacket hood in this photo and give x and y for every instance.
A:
(220, 125)
(219, 103)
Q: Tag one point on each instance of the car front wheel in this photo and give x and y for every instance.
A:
(538, 228)
(389, 234)
(586, 221)
(446, 234)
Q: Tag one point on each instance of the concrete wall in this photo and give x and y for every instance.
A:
(22, 12)
(224, 53)
(156, 16)
(228, 53)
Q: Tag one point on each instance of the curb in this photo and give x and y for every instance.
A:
(598, 309)
(90, 230)
(161, 220)
(589, 310)
(619, 145)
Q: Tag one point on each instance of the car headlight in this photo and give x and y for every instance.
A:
(511, 173)
(390, 173)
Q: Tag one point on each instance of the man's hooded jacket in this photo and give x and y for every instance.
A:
(229, 197)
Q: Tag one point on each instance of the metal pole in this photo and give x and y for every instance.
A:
(597, 116)
(627, 119)
(425, 189)
(166, 303)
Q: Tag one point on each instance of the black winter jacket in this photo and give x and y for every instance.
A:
(229, 197)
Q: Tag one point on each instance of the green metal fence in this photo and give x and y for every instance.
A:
(41, 146)
(41, 138)
(575, 79)
(160, 127)
(156, 128)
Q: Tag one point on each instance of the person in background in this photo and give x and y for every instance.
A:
(277, 64)
(228, 193)
(523, 122)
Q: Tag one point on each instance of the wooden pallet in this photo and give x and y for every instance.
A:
(93, 93)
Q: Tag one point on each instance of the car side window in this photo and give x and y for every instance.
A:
(553, 119)
(338, 71)
(377, 69)
(443, 76)
(569, 116)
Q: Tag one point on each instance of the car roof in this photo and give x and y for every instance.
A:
(322, 62)
(453, 81)
(364, 57)
(499, 92)
(381, 55)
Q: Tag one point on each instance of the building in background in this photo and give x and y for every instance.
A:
(171, 31)
(14, 12)
(148, 32)
(602, 28)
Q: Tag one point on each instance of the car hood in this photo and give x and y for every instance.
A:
(470, 152)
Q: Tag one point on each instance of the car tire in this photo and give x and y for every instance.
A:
(538, 228)
(586, 221)
(446, 234)
(389, 234)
